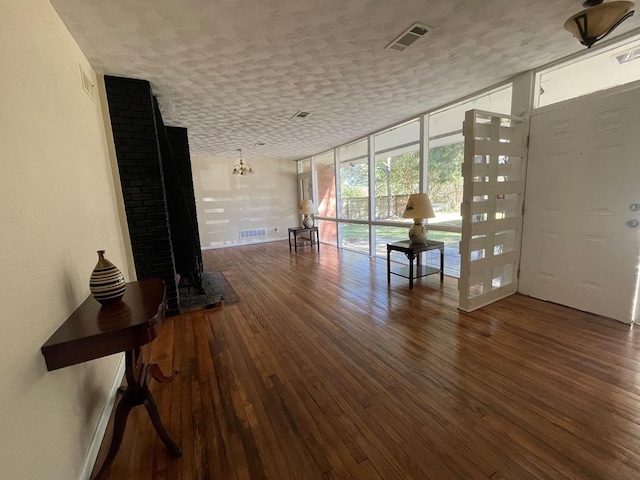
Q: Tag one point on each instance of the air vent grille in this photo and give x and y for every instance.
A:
(629, 56)
(300, 114)
(253, 233)
(409, 36)
(87, 85)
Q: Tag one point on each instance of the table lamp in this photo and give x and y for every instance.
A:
(418, 207)
(307, 208)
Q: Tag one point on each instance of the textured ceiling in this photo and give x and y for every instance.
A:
(234, 72)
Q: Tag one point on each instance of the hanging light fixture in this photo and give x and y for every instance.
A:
(597, 20)
(242, 168)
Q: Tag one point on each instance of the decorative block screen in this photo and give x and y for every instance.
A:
(493, 171)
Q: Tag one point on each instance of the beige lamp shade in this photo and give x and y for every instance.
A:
(307, 207)
(596, 22)
(418, 206)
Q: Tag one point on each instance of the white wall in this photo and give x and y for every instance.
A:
(229, 203)
(57, 208)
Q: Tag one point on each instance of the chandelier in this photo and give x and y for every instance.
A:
(242, 168)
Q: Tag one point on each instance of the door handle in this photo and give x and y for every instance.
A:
(634, 207)
(633, 223)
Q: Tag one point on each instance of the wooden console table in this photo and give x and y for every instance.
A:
(95, 331)
(413, 251)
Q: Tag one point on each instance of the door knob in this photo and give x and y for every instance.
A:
(634, 207)
(633, 223)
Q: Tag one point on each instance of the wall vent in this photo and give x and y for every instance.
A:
(300, 114)
(253, 233)
(413, 33)
(629, 56)
(87, 85)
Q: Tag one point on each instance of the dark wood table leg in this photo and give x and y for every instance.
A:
(411, 256)
(289, 240)
(154, 414)
(295, 241)
(120, 421)
(137, 393)
(318, 239)
(441, 265)
(388, 264)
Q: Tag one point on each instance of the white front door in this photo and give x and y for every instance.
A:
(581, 245)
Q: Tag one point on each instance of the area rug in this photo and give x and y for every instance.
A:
(217, 292)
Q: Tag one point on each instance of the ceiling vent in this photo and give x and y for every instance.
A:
(300, 115)
(413, 33)
(628, 56)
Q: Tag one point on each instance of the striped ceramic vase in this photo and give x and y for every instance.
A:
(107, 283)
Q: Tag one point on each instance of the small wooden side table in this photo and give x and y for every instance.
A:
(413, 251)
(313, 237)
(95, 331)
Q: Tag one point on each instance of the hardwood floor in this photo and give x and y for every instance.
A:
(323, 371)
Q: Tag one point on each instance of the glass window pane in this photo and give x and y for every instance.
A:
(445, 126)
(326, 181)
(354, 180)
(446, 184)
(386, 235)
(306, 186)
(397, 170)
(446, 154)
(451, 252)
(451, 241)
(304, 165)
(606, 69)
(327, 230)
(354, 236)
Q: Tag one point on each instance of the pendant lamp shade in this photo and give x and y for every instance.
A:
(598, 20)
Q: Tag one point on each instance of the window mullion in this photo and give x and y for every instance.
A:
(424, 154)
(372, 195)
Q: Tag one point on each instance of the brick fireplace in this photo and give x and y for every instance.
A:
(157, 186)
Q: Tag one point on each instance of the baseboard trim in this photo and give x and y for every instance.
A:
(103, 422)
(235, 243)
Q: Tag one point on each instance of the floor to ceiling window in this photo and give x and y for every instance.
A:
(354, 181)
(353, 160)
(325, 171)
(397, 169)
(397, 175)
(361, 196)
(445, 157)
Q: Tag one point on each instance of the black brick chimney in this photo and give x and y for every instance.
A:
(157, 186)
(181, 205)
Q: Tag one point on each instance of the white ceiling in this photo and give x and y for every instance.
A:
(233, 72)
